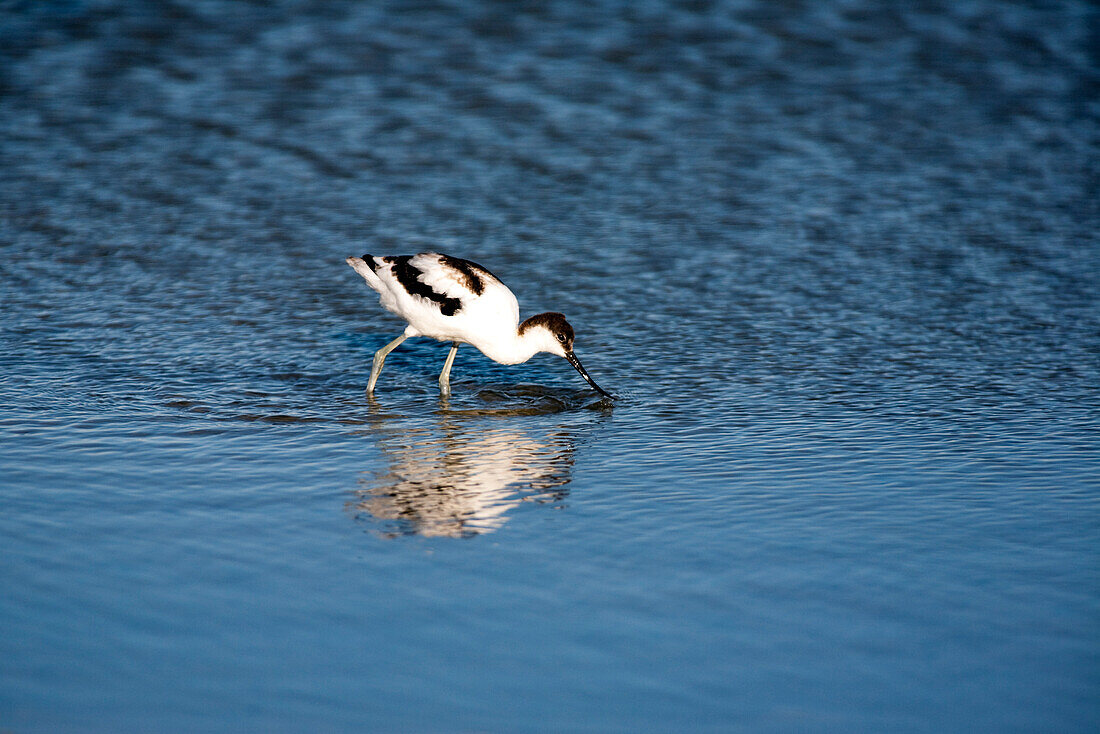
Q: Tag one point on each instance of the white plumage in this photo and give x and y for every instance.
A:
(451, 299)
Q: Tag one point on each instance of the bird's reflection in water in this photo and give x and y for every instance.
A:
(462, 476)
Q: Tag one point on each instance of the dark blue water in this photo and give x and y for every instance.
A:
(839, 259)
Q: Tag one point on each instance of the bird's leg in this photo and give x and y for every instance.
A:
(380, 359)
(445, 375)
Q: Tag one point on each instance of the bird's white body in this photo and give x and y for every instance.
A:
(488, 321)
(457, 301)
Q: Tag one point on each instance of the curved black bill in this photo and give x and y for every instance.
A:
(577, 366)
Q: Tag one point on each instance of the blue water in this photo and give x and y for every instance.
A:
(839, 259)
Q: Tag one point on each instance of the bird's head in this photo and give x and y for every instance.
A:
(550, 332)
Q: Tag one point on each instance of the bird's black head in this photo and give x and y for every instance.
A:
(557, 337)
(554, 323)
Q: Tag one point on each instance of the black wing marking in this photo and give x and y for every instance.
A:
(409, 278)
(471, 275)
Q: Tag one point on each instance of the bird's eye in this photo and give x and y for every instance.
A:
(561, 338)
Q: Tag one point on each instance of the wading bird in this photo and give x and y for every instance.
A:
(457, 301)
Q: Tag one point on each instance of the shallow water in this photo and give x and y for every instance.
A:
(839, 260)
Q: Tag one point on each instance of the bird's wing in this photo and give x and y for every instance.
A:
(453, 277)
(480, 293)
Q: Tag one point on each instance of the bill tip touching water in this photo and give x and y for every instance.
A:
(451, 299)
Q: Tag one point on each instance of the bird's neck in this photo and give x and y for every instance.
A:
(511, 348)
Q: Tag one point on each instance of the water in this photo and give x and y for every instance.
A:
(839, 259)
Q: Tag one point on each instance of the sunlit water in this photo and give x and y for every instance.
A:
(839, 260)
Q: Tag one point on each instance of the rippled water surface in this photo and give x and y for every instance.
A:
(839, 260)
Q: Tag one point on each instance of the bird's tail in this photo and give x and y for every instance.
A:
(366, 267)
